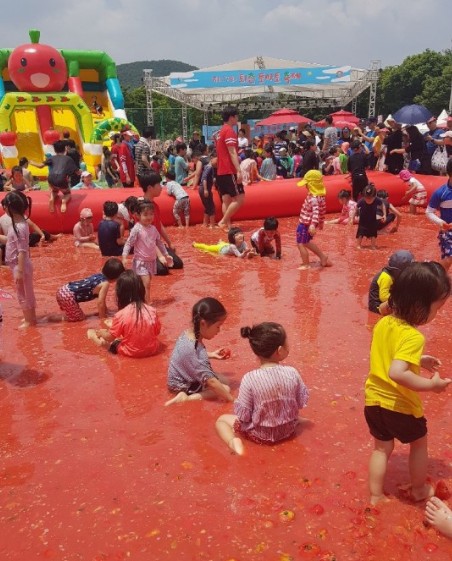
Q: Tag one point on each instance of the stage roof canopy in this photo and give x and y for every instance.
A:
(266, 78)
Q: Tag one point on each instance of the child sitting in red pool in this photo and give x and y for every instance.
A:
(266, 410)
(190, 374)
(134, 329)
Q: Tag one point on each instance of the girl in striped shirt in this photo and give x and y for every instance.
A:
(266, 410)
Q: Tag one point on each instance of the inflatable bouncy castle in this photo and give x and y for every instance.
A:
(45, 91)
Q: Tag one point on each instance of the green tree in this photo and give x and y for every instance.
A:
(413, 82)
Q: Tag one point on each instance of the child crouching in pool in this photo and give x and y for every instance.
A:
(93, 287)
(348, 209)
(134, 328)
(237, 245)
(190, 374)
(267, 240)
(266, 410)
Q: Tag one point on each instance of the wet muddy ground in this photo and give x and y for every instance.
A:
(95, 468)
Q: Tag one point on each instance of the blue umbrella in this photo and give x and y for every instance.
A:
(412, 115)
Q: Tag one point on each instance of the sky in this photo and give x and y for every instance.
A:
(211, 32)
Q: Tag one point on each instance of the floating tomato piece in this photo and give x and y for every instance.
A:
(327, 556)
(309, 549)
(317, 509)
(442, 491)
(430, 547)
(286, 515)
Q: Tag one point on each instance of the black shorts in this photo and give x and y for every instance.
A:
(387, 425)
(359, 181)
(227, 185)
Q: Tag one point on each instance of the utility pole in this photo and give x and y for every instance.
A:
(450, 99)
(147, 80)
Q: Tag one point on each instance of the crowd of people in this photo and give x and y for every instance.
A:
(407, 294)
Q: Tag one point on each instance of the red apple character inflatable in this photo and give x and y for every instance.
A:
(34, 67)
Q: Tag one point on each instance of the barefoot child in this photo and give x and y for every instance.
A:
(348, 209)
(439, 515)
(61, 167)
(93, 287)
(237, 245)
(182, 202)
(368, 223)
(267, 240)
(84, 230)
(148, 246)
(312, 216)
(382, 282)
(134, 329)
(190, 374)
(17, 256)
(393, 408)
(152, 188)
(392, 214)
(270, 397)
(441, 201)
(415, 190)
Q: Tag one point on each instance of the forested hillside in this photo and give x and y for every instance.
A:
(130, 74)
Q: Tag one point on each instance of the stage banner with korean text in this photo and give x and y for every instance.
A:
(269, 77)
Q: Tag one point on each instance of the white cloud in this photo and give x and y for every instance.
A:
(207, 33)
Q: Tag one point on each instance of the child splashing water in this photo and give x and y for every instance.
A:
(145, 240)
(236, 246)
(17, 256)
(134, 329)
(190, 374)
(393, 409)
(266, 410)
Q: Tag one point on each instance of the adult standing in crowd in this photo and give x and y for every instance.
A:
(229, 176)
(446, 137)
(368, 137)
(394, 141)
(433, 134)
(330, 138)
(194, 142)
(126, 162)
(310, 157)
(143, 152)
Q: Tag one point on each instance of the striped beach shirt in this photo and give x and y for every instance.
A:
(269, 400)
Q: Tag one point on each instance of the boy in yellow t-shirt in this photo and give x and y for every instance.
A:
(383, 280)
(393, 409)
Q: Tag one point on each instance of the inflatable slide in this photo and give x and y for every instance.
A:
(45, 92)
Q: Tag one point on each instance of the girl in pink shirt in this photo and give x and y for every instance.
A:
(17, 256)
(348, 209)
(266, 410)
(147, 244)
(134, 329)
